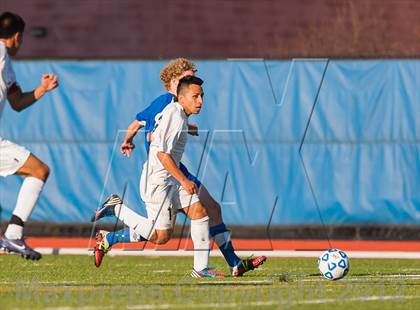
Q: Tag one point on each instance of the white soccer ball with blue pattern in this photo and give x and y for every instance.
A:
(333, 264)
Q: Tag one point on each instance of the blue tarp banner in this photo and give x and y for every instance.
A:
(281, 142)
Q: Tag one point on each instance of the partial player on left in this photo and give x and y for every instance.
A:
(16, 159)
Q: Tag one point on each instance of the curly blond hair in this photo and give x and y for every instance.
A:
(174, 69)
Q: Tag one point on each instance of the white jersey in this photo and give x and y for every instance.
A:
(7, 77)
(169, 136)
(12, 156)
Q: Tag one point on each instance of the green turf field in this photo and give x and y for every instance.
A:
(164, 283)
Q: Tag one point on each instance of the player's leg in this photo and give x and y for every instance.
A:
(16, 159)
(193, 208)
(128, 234)
(199, 235)
(35, 173)
(221, 236)
(105, 240)
(138, 228)
(156, 228)
(218, 229)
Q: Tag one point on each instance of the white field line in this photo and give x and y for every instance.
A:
(216, 253)
(237, 305)
(299, 278)
(69, 284)
(320, 278)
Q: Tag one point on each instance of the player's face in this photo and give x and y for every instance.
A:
(192, 99)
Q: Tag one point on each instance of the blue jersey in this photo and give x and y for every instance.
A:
(147, 118)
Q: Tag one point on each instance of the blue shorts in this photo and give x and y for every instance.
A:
(189, 175)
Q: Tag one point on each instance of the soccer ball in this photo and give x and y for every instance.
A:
(333, 264)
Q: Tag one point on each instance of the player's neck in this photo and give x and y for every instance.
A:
(183, 108)
(8, 43)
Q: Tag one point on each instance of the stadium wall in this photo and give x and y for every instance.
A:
(162, 29)
(300, 142)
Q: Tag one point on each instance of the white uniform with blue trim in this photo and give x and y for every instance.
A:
(12, 155)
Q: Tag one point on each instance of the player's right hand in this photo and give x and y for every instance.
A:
(189, 186)
(49, 81)
(126, 148)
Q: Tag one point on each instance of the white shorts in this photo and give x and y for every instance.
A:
(163, 201)
(12, 157)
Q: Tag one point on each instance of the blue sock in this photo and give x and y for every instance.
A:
(221, 236)
(122, 235)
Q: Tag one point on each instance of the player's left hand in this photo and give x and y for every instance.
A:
(193, 129)
(189, 186)
(49, 81)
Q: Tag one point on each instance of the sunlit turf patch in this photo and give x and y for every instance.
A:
(164, 282)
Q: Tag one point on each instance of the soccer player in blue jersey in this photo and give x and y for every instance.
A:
(170, 76)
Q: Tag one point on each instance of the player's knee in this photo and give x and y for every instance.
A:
(196, 211)
(42, 171)
(200, 212)
(45, 171)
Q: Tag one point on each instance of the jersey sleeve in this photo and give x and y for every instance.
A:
(143, 123)
(157, 105)
(169, 133)
(144, 115)
(9, 76)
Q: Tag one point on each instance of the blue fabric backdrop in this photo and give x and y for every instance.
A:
(280, 140)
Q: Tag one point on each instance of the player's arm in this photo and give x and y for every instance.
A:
(20, 100)
(170, 165)
(127, 146)
(170, 131)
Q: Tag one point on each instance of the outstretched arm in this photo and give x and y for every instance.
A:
(170, 165)
(20, 101)
(127, 146)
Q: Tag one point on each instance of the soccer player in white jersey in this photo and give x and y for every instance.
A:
(170, 76)
(16, 159)
(163, 186)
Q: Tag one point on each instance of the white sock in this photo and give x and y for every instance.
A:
(14, 231)
(25, 203)
(201, 240)
(139, 224)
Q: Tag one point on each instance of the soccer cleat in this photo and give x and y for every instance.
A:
(206, 273)
(107, 208)
(19, 246)
(248, 264)
(101, 248)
